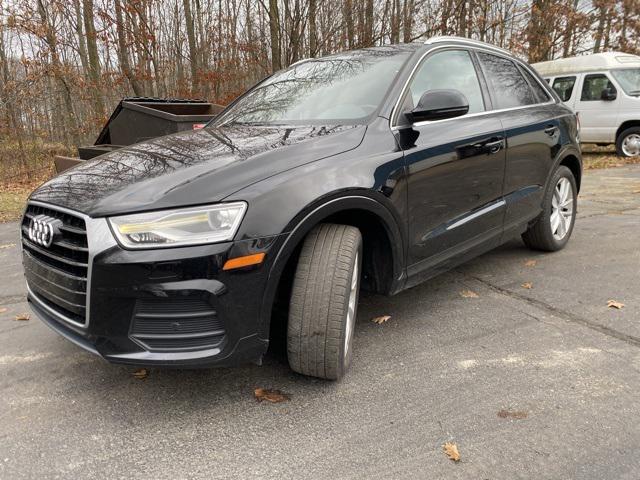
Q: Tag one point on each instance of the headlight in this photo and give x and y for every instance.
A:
(185, 226)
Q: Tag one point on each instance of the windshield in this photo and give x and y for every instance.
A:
(629, 80)
(339, 89)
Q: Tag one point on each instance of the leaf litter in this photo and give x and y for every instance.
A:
(451, 451)
(271, 396)
(381, 319)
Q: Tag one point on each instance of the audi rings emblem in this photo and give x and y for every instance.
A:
(43, 229)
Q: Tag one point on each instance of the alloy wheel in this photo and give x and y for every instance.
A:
(351, 311)
(561, 209)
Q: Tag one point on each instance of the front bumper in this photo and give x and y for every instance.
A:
(170, 307)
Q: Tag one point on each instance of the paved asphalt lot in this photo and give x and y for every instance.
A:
(440, 370)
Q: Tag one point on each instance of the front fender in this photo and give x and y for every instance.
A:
(314, 214)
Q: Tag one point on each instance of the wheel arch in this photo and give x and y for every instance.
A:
(380, 230)
(627, 124)
(570, 157)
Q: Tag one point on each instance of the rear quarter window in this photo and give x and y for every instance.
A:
(539, 91)
(509, 87)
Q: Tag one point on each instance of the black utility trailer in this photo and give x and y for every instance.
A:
(139, 118)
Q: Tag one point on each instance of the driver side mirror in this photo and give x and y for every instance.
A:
(439, 105)
(608, 95)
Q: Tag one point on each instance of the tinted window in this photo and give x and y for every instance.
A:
(509, 86)
(451, 69)
(594, 85)
(540, 93)
(564, 87)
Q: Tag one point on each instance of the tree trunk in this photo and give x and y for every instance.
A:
(94, 59)
(191, 38)
(274, 30)
(123, 52)
(82, 42)
(69, 121)
(313, 34)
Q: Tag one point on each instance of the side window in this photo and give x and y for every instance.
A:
(540, 93)
(508, 85)
(450, 69)
(594, 85)
(564, 87)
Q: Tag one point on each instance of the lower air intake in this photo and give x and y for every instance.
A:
(176, 324)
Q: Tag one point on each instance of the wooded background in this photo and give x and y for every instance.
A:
(64, 64)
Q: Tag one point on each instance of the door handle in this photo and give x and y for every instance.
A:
(494, 146)
(551, 130)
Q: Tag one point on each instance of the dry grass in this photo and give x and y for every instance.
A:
(13, 196)
(604, 157)
(22, 169)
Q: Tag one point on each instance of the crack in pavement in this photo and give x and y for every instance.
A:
(568, 316)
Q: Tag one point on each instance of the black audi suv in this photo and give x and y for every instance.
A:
(372, 169)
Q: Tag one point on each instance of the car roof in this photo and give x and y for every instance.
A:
(587, 63)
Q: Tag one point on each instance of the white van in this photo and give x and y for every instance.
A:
(604, 91)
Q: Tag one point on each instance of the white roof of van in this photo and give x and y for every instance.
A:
(587, 63)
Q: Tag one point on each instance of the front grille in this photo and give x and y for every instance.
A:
(57, 274)
(176, 323)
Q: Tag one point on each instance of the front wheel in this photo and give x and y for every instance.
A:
(324, 301)
(628, 143)
(552, 229)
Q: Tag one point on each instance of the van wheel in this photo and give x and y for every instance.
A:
(552, 229)
(628, 143)
(324, 301)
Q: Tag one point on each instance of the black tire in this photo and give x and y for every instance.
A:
(319, 301)
(539, 235)
(622, 136)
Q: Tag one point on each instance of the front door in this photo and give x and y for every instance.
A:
(455, 168)
(598, 117)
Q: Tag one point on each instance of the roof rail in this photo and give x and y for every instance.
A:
(466, 41)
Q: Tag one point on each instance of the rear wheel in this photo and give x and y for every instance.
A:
(324, 301)
(628, 142)
(554, 226)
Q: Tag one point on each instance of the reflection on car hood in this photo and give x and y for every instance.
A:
(191, 168)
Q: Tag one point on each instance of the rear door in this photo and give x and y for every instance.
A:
(455, 166)
(528, 115)
(598, 118)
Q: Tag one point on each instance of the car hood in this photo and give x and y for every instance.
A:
(190, 168)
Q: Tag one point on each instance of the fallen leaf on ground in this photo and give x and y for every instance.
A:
(614, 304)
(7, 245)
(2, 310)
(381, 319)
(469, 294)
(22, 317)
(451, 450)
(530, 263)
(527, 285)
(273, 396)
(518, 415)
(141, 373)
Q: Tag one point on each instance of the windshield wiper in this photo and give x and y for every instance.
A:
(634, 93)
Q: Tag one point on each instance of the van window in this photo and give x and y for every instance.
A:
(448, 69)
(564, 87)
(509, 86)
(629, 80)
(594, 85)
(538, 90)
